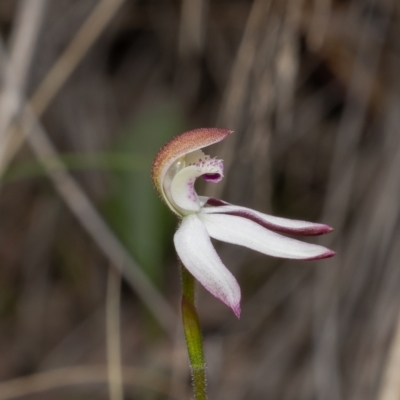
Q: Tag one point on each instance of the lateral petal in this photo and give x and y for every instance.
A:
(276, 224)
(198, 255)
(244, 232)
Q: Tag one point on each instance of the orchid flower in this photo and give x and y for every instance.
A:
(175, 169)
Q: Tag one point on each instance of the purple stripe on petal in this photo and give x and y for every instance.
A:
(313, 229)
(317, 229)
(216, 202)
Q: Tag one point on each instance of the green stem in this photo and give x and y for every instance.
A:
(194, 340)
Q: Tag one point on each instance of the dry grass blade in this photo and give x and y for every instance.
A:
(243, 64)
(24, 37)
(374, 246)
(22, 47)
(235, 94)
(391, 383)
(390, 386)
(343, 172)
(61, 70)
(353, 120)
(74, 53)
(82, 375)
(113, 334)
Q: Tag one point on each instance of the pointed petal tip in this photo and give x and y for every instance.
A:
(330, 254)
(311, 230)
(197, 253)
(236, 310)
(326, 254)
(316, 230)
(326, 229)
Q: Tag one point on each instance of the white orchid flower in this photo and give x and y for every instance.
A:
(175, 169)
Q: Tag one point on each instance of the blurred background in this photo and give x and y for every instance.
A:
(89, 92)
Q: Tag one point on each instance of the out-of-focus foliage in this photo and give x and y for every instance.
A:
(137, 214)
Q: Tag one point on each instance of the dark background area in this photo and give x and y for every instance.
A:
(89, 92)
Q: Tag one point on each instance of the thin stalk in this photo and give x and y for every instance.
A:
(113, 335)
(194, 340)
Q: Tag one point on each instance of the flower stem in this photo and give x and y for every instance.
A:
(194, 340)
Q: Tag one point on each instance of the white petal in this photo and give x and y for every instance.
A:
(244, 232)
(276, 224)
(198, 255)
(182, 189)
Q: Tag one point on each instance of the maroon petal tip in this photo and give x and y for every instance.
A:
(327, 254)
(319, 229)
(330, 254)
(326, 229)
